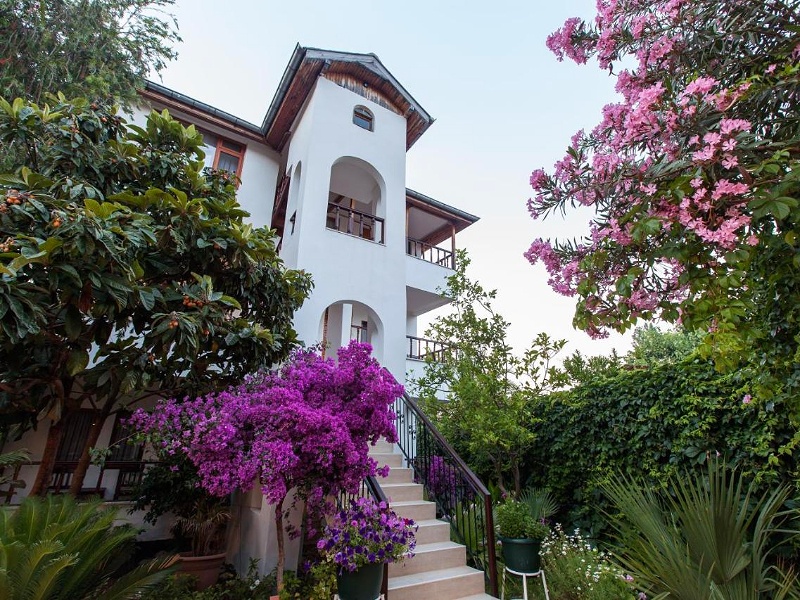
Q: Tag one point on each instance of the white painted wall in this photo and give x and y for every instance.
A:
(348, 268)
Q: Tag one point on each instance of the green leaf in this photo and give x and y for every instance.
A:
(77, 361)
(73, 322)
(230, 301)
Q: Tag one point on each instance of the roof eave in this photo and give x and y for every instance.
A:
(456, 212)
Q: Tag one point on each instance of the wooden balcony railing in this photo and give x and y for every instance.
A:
(129, 476)
(422, 349)
(358, 333)
(354, 222)
(430, 253)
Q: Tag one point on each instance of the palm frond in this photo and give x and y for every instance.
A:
(540, 502)
(142, 577)
(708, 540)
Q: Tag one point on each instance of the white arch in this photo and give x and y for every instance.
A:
(355, 178)
(337, 319)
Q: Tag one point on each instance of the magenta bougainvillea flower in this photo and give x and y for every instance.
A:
(306, 427)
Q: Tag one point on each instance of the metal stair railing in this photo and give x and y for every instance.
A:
(461, 498)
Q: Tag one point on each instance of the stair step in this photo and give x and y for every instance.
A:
(382, 446)
(397, 475)
(478, 597)
(419, 510)
(386, 458)
(402, 492)
(432, 531)
(430, 557)
(442, 584)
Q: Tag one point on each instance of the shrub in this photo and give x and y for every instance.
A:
(714, 536)
(576, 570)
(229, 587)
(56, 548)
(514, 520)
(654, 423)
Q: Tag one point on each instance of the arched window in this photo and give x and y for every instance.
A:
(363, 117)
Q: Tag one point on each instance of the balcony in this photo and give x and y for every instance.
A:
(354, 222)
(115, 481)
(430, 253)
(424, 349)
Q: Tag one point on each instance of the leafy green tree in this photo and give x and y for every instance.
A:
(58, 549)
(691, 180)
(582, 369)
(489, 387)
(126, 271)
(652, 346)
(98, 49)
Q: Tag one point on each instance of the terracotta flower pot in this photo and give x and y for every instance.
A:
(205, 568)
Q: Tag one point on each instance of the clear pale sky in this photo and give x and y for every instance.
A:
(504, 106)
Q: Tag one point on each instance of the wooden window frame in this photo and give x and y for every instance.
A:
(238, 154)
(363, 111)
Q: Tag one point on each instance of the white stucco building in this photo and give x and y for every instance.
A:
(327, 169)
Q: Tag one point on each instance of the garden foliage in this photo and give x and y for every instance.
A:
(693, 178)
(101, 50)
(306, 427)
(654, 423)
(714, 535)
(577, 570)
(57, 549)
(126, 269)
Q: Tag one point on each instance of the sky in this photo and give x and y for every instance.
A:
(502, 102)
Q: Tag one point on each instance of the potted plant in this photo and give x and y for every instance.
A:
(521, 535)
(205, 527)
(171, 488)
(359, 541)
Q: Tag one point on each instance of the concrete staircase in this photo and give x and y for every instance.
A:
(438, 570)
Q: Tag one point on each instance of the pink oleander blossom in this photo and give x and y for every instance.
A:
(672, 167)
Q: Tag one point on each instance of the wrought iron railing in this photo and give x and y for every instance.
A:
(422, 349)
(369, 488)
(430, 253)
(460, 497)
(354, 222)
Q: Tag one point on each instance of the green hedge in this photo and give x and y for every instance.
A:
(650, 423)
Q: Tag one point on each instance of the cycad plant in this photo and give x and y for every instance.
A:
(713, 538)
(56, 548)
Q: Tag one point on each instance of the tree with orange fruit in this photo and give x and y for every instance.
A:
(127, 270)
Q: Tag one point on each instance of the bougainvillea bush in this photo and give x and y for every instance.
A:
(693, 177)
(367, 533)
(306, 427)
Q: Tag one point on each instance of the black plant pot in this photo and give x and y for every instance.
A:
(362, 584)
(521, 554)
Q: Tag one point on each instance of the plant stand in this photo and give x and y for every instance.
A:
(539, 573)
